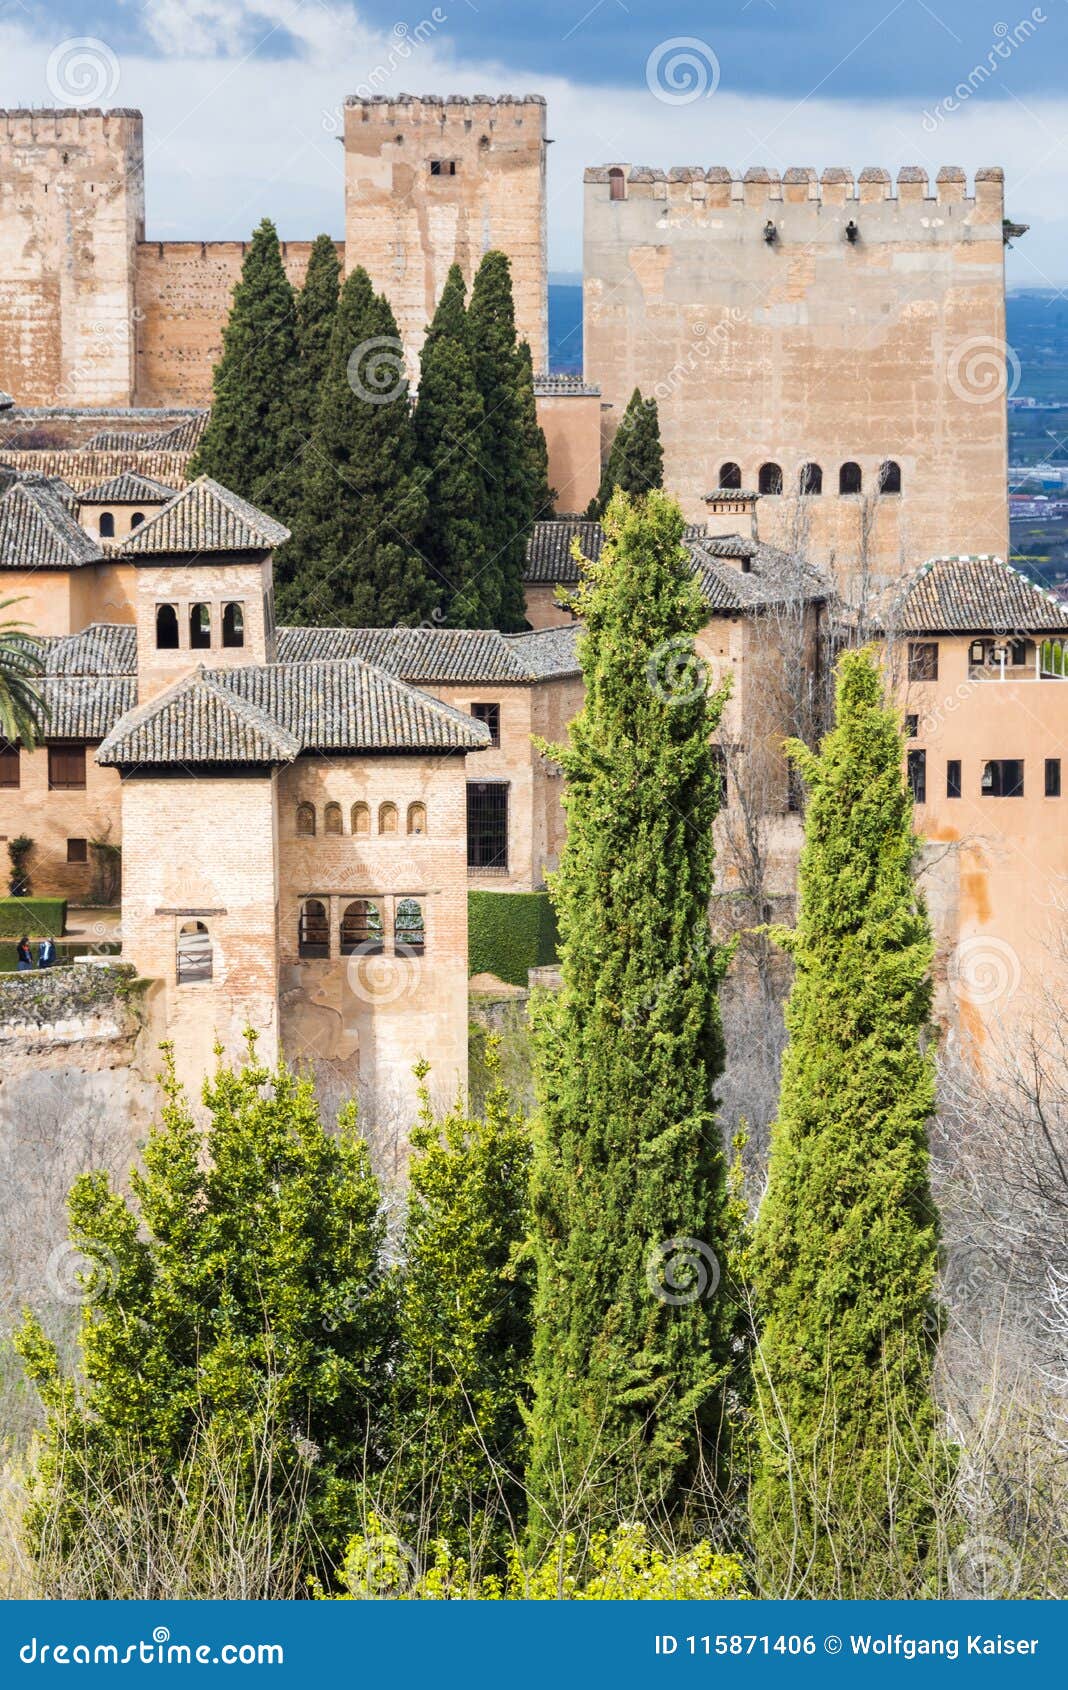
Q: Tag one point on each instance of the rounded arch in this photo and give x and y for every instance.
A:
(730, 476)
(388, 820)
(136, 520)
(409, 933)
(306, 820)
(313, 929)
(769, 479)
(194, 960)
(199, 627)
(810, 480)
(166, 627)
(107, 525)
(890, 477)
(332, 819)
(417, 818)
(233, 625)
(361, 928)
(850, 479)
(360, 819)
(617, 184)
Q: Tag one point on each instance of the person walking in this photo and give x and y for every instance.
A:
(23, 954)
(46, 952)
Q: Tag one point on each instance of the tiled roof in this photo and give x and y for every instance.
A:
(6, 401)
(183, 437)
(353, 706)
(129, 488)
(85, 706)
(198, 721)
(104, 648)
(204, 517)
(548, 653)
(971, 595)
(431, 655)
(82, 468)
(37, 531)
(116, 440)
(549, 559)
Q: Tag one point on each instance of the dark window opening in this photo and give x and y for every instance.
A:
(769, 479)
(795, 790)
(194, 953)
(66, 768)
(953, 786)
(166, 628)
(487, 825)
(890, 477)
(810, 480)
(313, 930)
(443, 167)
(77, 850)
(409, 934)
(199, 627)
(361, 929)
(9, 765)
(1053, 777)
(617, 185)
(233, 625)
(491, 715)
(137, 519)
(912, 725)
(730, 477)
(923, 660)
(107, 525)
(917, 775)
(850, 479)
(1003, 777)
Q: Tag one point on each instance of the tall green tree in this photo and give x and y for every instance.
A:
(22, 709)
(543, 497)
(849, 1461)
(635, 458)
(462, 1372)
(236, 1305)
(507, 444)
(449, 427)
(316, 310)
(245, 445)
(355, 557)
(633, 1331)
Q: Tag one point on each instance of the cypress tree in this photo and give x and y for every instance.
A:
(246, 443)
(449, 421)
(543, 497)
(636, 457)
(632, 1333)
(316, 309)
(354, 557)
(844, 1254)
(464, 1323)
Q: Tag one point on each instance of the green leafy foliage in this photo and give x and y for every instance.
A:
(509, 933)
(22, 710)
(629, 1175)
(35, 916)
(635, 458)
(845, 1250)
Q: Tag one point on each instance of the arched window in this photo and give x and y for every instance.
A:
(890, 477)
(136, 520)
(361, 929)
(306, 820)
(617, 185)
(313, 931)
(233, 624)
(361, 819)
(409, 936)
(332, 819)
(194, 953)
(849, 478)
(199, 627)
(107, 525)
(166, 628)
(387, 818)
(810, 480)
(770, 479)
(416, 818)
(730, 476)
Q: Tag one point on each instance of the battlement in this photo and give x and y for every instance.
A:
(437, 101)
(71, 126)
(799, 186)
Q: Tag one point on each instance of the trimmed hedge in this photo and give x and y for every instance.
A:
(510, 932)
(35, 916)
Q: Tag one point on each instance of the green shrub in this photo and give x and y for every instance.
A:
(509, 933)
(34, 916)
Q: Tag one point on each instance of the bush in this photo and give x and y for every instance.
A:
(35, 916)
(509, 933)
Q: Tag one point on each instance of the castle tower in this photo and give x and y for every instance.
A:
(811, 331)
(433, 181)
(71, 214)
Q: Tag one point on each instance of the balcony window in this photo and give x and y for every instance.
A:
(1003, 777)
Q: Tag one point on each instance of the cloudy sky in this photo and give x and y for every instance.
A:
(241, 97)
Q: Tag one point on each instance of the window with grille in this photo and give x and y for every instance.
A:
(487, 825)
(917, 774)
(313, 931)
(491, 715)
(409, 933)
(66, 768)
(194, 953)
(9, 765)
(361, 928)
(923, 660)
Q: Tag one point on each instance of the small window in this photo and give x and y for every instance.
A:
(107, 525)
(769, 479)
(199, 627)
(306, 821)
(9, 765)
(360, 820)
(917, 775)
(1053, 777)
(416, 818)
(617, 185)
(953, 787)
(923, 660)
(77, 850)
(332, 819)
(194, 953)
(730, 477)
(810, 481)
(409, 936)
(166, 627)
(977, 653)
(361, 929)
(136, 520)
(443, 167)
(66, 768)
(387, 818)
(890, 477)
(487, 825)
(912, 725)
(850, 479)
(1003, 777)
(491, 715)
(313, 931)
(233, 626)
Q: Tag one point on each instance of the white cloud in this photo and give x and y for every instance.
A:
(231, 136)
